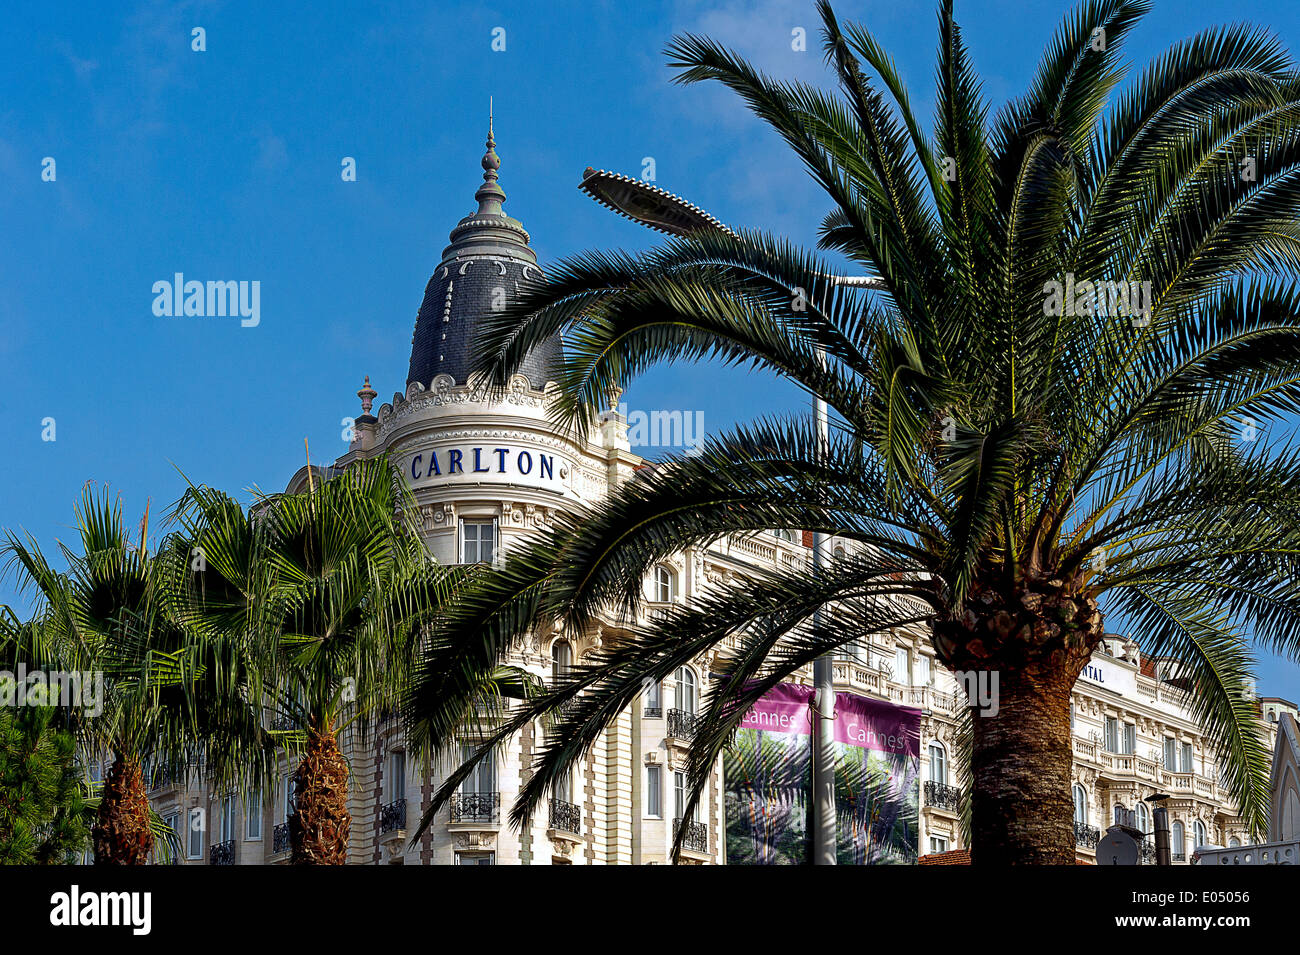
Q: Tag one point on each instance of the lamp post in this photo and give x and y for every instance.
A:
(1160, 815)
(662, 211)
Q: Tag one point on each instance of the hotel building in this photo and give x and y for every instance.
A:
(485, 473)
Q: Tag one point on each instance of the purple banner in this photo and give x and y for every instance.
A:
(784, 709)
(873, 724)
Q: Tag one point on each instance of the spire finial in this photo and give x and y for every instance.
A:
(490, 195)
(367, 396)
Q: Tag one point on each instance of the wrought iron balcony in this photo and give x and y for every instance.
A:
(222, 853)
(160, 779)
(696, 836)
(1148, 852)
(653, 712)
(942, 796)
(682, 725)
(1178, 856)
(1086, 836)
(476, 807)
(280, 838)
(392, 817)
(565, 816)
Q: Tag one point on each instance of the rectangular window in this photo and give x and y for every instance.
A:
(1130, 739)
(922, 670)
(938, 844)
(902, 666)
(680, 791)
(253, 816)
(228, 818)
(654, 792)
(1170, 765)
(173, 822)
(478, 541)
(197, 823)
(1185, 763)
(1073, 730)
(288, 797)
(1112, 735)
(654, 695)
(476, 858)
(397, 775)
(484, 777)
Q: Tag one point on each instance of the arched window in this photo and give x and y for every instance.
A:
(1119, 813)
(783, 534)
(1080, 806)
(665, 585)
(686, 693)
(938, 764)
(1177, 840)
(561, 660)
(1234, 843)
(839, 552)
(1143, 818)
(1198, 834)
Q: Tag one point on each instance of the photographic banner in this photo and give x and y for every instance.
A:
(877, 795)
(767, 775)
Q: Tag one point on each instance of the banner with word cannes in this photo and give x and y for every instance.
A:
(767, 775)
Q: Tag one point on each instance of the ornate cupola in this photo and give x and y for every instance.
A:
(480, 272)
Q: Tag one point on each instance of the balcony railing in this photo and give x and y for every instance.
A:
(476, 807)
(942, 796)
(653, 713)
(682, 725)
(696, 836)
(1269, 853)
(392, 817)
(565, 816)
(1086, 836)
(1148, 852)
(280, 838)
(222, 853)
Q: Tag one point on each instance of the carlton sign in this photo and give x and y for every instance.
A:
(503, 463)
(1109, 674)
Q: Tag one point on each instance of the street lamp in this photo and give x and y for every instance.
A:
(665, 212)
(1160, 817)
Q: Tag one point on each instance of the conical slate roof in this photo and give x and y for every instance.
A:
(480, 271)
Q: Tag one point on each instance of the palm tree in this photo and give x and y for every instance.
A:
(1011, 450)
(327, 593)
(108, 615)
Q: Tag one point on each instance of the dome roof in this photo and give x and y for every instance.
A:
(480, 271)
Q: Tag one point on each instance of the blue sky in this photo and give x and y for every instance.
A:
(225, 164)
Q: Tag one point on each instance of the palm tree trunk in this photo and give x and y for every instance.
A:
(121, 834)
(1021, 804)
(1037, 638)
(320, 824)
